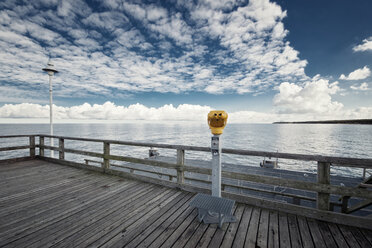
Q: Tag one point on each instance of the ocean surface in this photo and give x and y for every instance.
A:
(314, 139)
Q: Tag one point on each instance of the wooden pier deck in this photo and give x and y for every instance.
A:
(49, 205)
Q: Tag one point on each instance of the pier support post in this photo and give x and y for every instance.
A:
(322, 200)
(106, 153)
(32, 146)
(180, 162)
(41, 146)
(216, 165)
(61, 148)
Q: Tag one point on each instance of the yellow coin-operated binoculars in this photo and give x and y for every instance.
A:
(217, 120)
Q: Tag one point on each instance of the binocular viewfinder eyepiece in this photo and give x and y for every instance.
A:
(217, 120)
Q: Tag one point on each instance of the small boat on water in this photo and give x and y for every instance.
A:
(273, 164)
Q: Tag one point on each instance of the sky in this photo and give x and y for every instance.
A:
(261, 61)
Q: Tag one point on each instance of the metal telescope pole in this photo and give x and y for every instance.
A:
(216, 165)
(50, 70)
(51, 114)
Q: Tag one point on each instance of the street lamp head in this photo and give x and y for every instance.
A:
(50, 69)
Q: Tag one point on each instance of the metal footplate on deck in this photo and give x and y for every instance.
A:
(213, 210)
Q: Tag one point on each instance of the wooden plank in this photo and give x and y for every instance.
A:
(367, 234)
(177, 232)
(316, 234)
(134, 238)
(362, 240)
(12, 148)
(323, 173)
(284, 238)
(72, 222)
(144, 225)
(263, 229)
(24, 216)
(87, 216)
(52, 215)
(166, 228)
(193, 239)
(338, 237)
(207, 236)
(273, 238)
(349, 237)
(220, 233)
(251, 239)
(294, 233)
(243, 227)
(118, 221)
(188, 233)
(305, 234)
(32, 146)
(74, 186)
(41, 199)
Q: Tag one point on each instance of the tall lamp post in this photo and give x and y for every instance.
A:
(50, 70)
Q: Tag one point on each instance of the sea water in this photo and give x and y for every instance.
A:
(313, 139)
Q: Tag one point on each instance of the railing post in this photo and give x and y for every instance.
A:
(61, 148)
(32, 146)
(106, 153)
(322, 200)
(180, 162)
(41, 146)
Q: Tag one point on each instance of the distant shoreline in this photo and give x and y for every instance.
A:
(356, 121)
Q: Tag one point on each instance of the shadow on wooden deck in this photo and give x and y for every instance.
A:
(49, 205)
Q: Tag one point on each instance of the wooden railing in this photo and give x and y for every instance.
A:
(322, 187)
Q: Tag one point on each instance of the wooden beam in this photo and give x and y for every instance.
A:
(61, 148)
(106, 154)
(32, 146)
(14, 148)
(322, 201)
(41, 146)
(180, 162)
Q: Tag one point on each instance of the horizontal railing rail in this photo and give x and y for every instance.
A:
(322, 187)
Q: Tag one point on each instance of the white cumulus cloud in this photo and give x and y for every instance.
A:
(313, 97)
(365, 46)
(358, 74)
(362, 87)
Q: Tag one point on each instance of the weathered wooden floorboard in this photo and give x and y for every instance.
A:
(144, 224)
(51, 195)
(42, 220)
(326, 234)
(262, 235)
(251, 238)
(95, 214)
(51, 202)
(166, 227)
(148, 227)
(294, 233)
(316, 234)
(367, 234)
(273, 236)
(73, 221)
(363, 242)
(44, 205)
(233, 227)
(31, 184)
(218, 236)
(178, 231)
(112, 222)
(349, 237)
(243, 227)
(336, 233)
(284, 238)
(143, 215)
(307, 241)
(207, 236)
